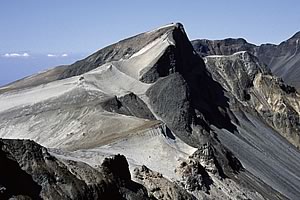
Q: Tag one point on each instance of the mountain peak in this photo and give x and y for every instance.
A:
(121, 50)
(153, 99)
(296, 35)
(179, 25)
(169, 27)
(172, 24)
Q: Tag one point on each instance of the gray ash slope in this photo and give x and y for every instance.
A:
(120, 50)
(211, 123)
(283, 59)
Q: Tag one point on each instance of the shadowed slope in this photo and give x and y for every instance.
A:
(282, 59)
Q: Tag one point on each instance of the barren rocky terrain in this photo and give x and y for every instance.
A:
(154, 116)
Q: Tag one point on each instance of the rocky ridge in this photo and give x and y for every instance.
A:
(283, 59)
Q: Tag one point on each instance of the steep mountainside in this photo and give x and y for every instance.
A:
(190, 128)
(282, 59)
(254, 87)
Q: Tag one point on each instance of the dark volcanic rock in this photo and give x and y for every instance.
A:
(117, 167)
(15, 181)
(159, 186)
(27, 170)
(170, 100)
(188, 96)
(129, 104)
(163, 67)
(179, 57)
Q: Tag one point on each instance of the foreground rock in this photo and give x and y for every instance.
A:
(28, 171)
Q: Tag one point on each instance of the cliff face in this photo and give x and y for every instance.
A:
(255, 89)
(282, 59)
(186, 125)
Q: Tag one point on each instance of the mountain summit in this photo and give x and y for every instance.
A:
(218, 127)
(296, 35)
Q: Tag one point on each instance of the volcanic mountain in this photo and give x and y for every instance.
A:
(282, 59)
(218, 127)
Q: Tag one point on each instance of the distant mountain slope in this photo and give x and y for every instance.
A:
(253, 86)
(282, 59)
(191, 128)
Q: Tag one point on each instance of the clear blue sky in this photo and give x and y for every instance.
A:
(79, 27)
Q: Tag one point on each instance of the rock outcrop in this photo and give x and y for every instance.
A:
(160, 187)
(28, 171)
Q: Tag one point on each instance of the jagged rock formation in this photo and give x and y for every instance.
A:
(194, 123)
(160, 187)
(254, 87)
(282, 59)
(128, 104)
(29, 171)
(227, 46)
(235, 73)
